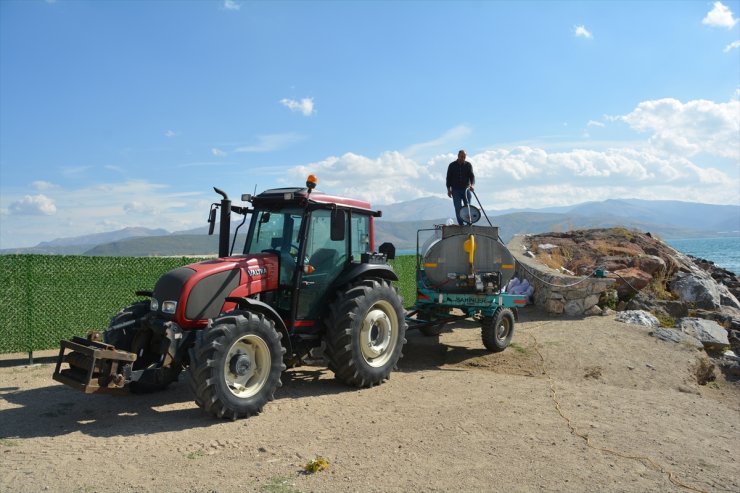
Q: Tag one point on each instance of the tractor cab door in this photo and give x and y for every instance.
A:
(278, 232)
(325, 260)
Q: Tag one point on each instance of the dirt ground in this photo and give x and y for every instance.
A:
(452, 418)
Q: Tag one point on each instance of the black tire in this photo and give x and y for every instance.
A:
(498, 330)
(127, 333)
(124, 325)
(236, 365)
(366, 329)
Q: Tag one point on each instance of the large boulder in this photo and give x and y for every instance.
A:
(697, 288)
(650, 264)
(726, 298)
(630, 281)
(638, 317)
(666, 308)
(673, 335)
(710, 333)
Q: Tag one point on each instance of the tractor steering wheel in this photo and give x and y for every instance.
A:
(289, 259)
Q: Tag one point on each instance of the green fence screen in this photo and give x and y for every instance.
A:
(47, 298)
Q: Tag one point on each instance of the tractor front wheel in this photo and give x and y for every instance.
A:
(497, 331)
(366, 330)
(237, 367)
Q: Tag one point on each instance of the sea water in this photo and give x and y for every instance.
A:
(724, 252)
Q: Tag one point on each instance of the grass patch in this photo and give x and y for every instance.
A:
(518, 348)
(278, 484)
(666, 321)
(405, 268)
(6, 442)
(197, 454)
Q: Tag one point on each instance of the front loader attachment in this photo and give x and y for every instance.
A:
(94, 367)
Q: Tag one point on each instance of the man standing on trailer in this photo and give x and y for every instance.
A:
(460, 182)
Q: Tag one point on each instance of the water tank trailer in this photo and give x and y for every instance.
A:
(465, 268)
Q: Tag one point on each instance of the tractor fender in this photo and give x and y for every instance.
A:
(383, 271)
(266, 310)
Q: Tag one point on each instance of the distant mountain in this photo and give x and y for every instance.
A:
(77, 245)
(403, 234)
(399, 223)
(689, 215)
(154, 246)
(417, 209)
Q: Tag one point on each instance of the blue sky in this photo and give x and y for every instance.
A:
(126, 113)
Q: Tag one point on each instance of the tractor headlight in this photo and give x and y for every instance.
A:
(154, 305)
(169, 307)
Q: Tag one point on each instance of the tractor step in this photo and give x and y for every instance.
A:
(94, 367)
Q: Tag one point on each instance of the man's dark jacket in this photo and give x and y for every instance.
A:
(460, 176)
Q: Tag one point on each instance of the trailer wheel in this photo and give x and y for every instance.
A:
(496, 331)
(366, 330)
(237, 365)
(126, 333)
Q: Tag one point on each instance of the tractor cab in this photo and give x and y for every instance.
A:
(319, 240)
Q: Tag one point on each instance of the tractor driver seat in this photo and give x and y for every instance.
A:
(323, 260)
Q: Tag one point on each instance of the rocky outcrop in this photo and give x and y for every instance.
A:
(556, 292)
(692, 301)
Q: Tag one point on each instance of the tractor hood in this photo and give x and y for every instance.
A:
(192, 294)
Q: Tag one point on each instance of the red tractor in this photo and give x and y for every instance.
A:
(307, 277)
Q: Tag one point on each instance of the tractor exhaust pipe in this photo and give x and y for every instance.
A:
(224, 231)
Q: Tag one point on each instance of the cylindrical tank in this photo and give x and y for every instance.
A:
(446, 262)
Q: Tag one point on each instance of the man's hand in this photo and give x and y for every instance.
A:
(472, 187)
(449, 193)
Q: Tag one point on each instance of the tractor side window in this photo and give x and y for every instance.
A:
(324, 254)
(360, 234)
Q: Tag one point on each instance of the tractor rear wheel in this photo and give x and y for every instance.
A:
(497, 331)
(236, 365)
(366, 330)
(127, 333)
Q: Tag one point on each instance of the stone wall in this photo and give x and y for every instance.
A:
(570, 295)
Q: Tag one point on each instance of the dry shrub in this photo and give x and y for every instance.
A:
(703, 371)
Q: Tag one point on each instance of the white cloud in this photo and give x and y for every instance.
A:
(594, 123)
(217, 152)
(74, 170)
(582, 32)
(231, 5)
(42, 185)
(304, 106)
(690, 128)
(112, 167)
(272, 142)
(171, 133)
(732, 46)
(451, 138)
(527, 176)
(719, 16)
(33, 205)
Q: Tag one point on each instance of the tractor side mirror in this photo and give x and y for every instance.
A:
(338, 224)
(211, 221)
(388, 250)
